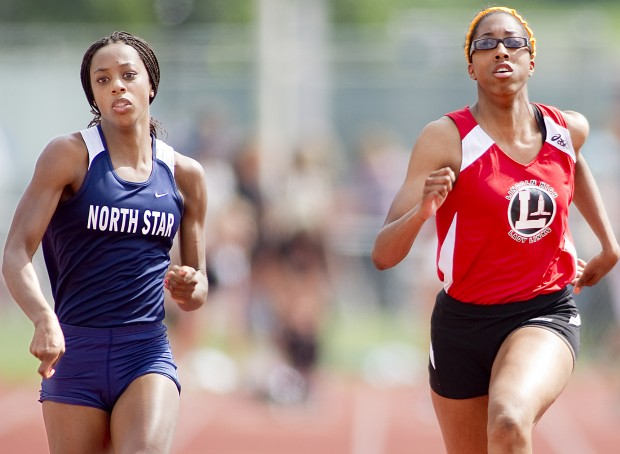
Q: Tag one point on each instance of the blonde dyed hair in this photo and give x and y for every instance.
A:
(493, 10)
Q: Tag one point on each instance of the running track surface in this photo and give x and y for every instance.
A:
(345, 416)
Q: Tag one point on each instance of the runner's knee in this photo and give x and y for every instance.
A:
(509, 426)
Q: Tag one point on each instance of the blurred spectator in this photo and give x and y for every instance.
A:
(268, 263)
(234, 237)
(380, 164)
(291, 271)
(213, 142)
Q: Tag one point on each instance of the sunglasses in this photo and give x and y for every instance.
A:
(512, 42)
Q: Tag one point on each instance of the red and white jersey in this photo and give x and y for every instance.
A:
(503, 231)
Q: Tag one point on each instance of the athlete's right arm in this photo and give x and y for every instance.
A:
(59, 170)
(432, 170)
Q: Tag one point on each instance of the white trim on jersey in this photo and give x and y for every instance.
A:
(474, 145)
(93, 142)
(559, 137)
(446, 255)
(165, 153)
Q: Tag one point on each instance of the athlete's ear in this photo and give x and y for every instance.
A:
(471, 72)
(532, 65)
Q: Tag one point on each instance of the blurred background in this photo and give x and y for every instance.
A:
(303, 113)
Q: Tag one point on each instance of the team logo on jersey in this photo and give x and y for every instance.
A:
(531, 210)
(127, 220)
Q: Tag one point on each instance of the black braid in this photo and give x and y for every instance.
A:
(146, 53)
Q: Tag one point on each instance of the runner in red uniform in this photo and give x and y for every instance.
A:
(499, 176)
(517, 209)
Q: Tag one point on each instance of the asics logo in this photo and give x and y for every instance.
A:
(559, 140)
(158, 195)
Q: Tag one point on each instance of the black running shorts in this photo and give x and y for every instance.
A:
(465, 338)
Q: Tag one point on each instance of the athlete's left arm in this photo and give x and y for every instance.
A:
(187, 283)
(588, 201)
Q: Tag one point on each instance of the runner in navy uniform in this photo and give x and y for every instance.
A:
(106, 203)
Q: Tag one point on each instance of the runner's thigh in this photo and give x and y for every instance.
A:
(76, 429)
(145, 416)
(531, 369)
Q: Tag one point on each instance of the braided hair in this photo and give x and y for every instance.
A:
(473, 27)
(146, 53)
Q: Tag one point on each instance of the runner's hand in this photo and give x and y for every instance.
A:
(181, 281)
(436, 188)
(48, 345)
(594, 270)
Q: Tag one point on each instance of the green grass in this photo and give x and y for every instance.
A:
(17, 365)
(346, 340)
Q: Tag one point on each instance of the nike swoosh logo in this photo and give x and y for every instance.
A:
(158, 195)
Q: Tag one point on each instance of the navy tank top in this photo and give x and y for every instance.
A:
(107, 247)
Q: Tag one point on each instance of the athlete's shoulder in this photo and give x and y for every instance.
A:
(64, 148)
(190, 178)
(576, 123)
(567, 116)
(575, 119)
(463, 119)
(67, 142)
(439, 133)
(438, 145)
(442, 125)
(187, 167)
(62, 162)
(579, 128)
(463, 113)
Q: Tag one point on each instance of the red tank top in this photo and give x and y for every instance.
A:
(503, 231)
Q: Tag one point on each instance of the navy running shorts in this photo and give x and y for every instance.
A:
(465, 338)
(100, 363)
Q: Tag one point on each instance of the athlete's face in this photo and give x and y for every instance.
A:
(120, 84)
(501, 66)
